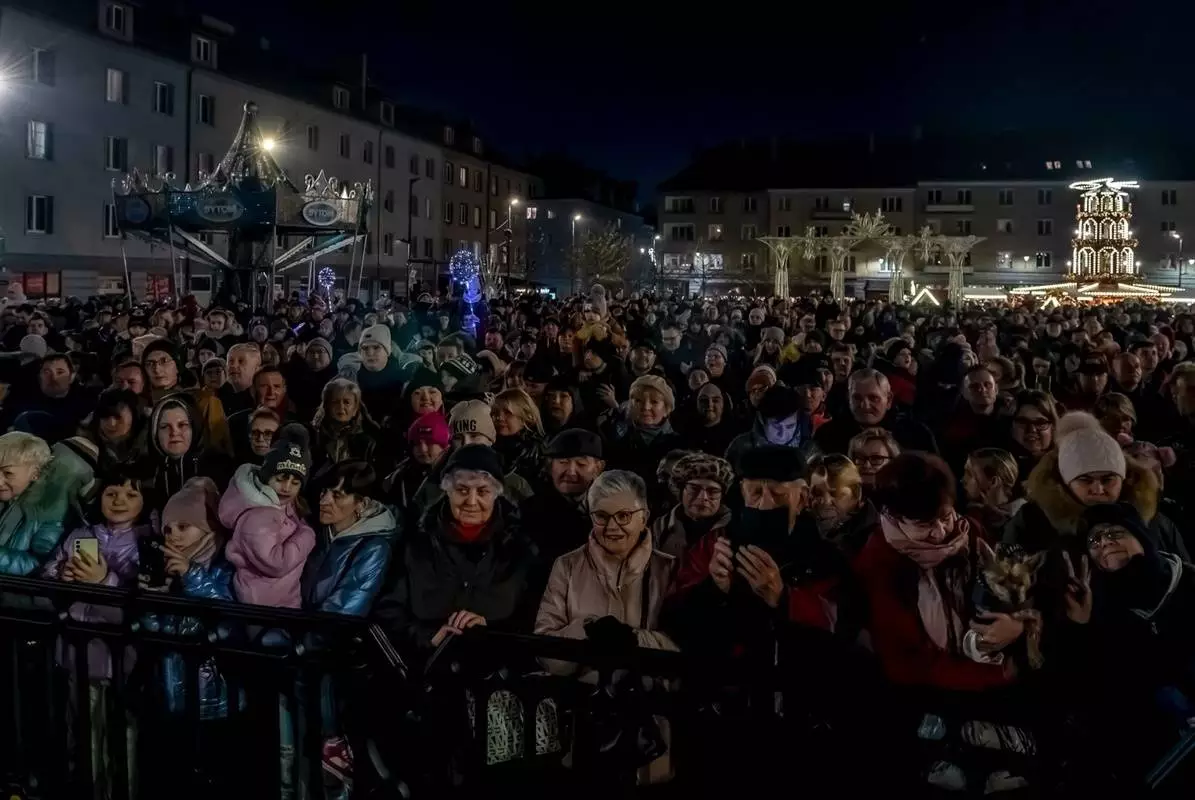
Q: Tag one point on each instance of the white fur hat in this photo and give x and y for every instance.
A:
(1084, 447)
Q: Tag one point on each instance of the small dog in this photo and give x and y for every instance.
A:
(1004, 584)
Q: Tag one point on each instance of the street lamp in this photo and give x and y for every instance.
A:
(510, 237)
(1179, 236)
(576, 218)
(268, 144)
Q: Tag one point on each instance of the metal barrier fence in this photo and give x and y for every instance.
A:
(108, 693)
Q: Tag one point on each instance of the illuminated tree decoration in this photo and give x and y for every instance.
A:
(466, 269)
(327, 279)
(1104, 247)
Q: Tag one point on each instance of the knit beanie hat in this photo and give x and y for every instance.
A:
(1084, 447)
(165, 346)
(290, 453)
(775, 334)
(462, 367)
(656, 384)
(421, 378)
(377, 334)
(320, 343)
(473, 416)
(701, 467)
(215, 363)
(762, 376)
(33, 345)
(431, 428)
(720, 349)
(196, 503)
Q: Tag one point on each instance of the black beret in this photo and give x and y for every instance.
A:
(574, 443)
(476, 458)
(771, 463)
(779, 402)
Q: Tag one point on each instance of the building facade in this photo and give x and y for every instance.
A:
(559, 227)
(1024, 212)
(117, 86)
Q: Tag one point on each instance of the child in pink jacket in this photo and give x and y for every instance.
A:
(270, 541)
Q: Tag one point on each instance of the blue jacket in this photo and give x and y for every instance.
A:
(212, 582)
(344, 573)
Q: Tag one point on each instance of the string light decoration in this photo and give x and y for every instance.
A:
(1104, 247)
(327, 279)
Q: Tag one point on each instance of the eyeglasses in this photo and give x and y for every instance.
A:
(1105, 536)
(712, 492)
(264, 435)
(621, 518)
(872, 461)
(158, 363)
(1031, 422)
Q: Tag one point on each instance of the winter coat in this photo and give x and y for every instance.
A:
(32, 523)
(905, 650)
(211, 581)
(636, 449)
(345, 572)
(119, 550)
(209, 411)
(517, 489)
(435, 573)
(802, 439)
(522, 453)
(166, 473)
(673, 532)
(1051, 517)
(357, 440)
(269, 543)
(381, 391)
(589, 583)
(836, 434)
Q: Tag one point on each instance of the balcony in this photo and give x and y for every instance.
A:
(949, 208)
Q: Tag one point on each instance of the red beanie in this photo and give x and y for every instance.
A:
(431, 428)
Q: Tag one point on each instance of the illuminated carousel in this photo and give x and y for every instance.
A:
(1104, 267)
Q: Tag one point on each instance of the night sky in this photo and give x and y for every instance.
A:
(633, 89)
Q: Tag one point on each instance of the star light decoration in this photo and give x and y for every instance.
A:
(327, 279)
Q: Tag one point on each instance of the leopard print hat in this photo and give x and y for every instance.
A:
(701, 466)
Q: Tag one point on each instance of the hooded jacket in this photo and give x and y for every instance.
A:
(32, 523)
(269, 545)
(802, 439)
(167, 473)
(344, 573)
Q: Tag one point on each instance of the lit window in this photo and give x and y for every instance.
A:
(463, 178)
(532, 211)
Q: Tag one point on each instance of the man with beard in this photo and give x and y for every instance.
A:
(643, 361)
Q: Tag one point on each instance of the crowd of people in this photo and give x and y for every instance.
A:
(990, 501)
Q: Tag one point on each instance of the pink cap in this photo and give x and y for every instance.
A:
(430, 427)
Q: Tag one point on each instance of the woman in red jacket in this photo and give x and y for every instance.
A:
(917, 570)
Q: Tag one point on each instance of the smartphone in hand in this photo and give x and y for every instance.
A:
(151, 563)
(89, 547)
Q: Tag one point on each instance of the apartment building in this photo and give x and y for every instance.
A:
(558, 226)
(1020, 205)
(104, 86)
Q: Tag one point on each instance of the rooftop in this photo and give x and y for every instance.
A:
(873, 162)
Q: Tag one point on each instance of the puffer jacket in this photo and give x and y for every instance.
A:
(435, 574)
(32, 523)
(345, 572)
(269, 543)
(119, 550)
(210, 581)
(356, 440)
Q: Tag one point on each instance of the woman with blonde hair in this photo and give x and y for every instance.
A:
(990, 481)
(520, 432)
(870, 450)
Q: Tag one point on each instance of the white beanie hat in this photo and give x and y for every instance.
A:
(377, 334)
(1084, 447)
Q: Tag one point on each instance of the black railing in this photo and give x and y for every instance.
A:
(125, 694)
(118, 694)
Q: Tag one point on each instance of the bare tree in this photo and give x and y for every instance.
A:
(602, 256)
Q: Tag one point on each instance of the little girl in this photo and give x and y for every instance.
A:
(270, 541)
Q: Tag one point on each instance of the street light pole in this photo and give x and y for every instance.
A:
(576, 219)
(510, 237)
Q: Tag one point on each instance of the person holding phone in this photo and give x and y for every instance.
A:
(106, 551)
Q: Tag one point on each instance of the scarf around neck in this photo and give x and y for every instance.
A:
(939, 593)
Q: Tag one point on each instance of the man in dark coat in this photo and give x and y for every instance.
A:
(871, 407)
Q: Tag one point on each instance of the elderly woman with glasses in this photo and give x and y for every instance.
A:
(700, 481)
(870, 450)
(611, 589)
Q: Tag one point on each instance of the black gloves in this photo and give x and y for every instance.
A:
(611, 635)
